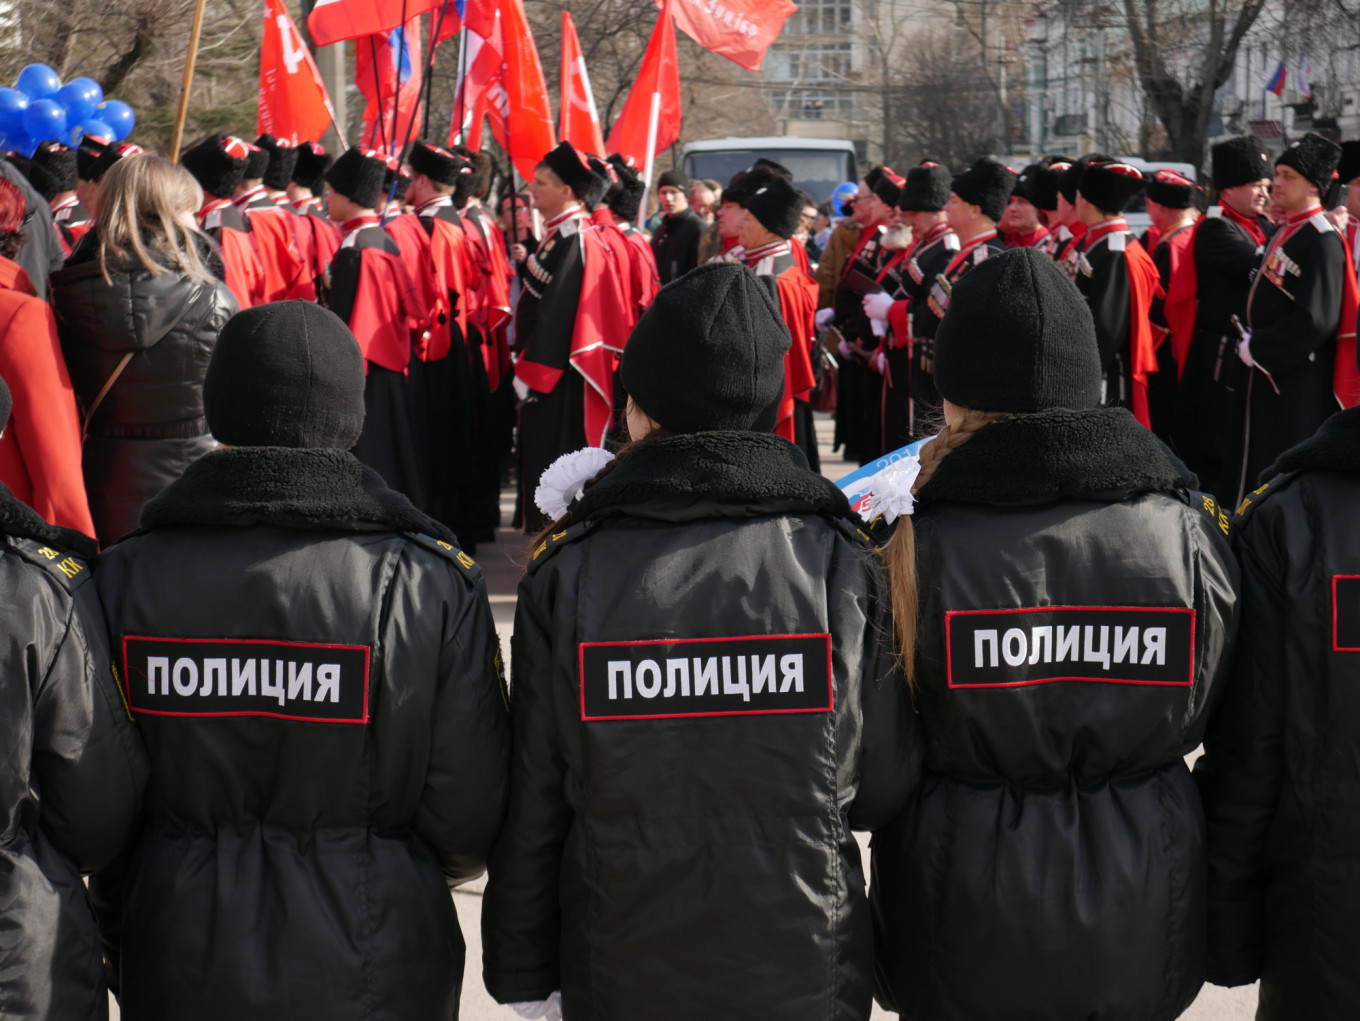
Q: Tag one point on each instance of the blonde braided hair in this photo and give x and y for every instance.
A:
(900, 553)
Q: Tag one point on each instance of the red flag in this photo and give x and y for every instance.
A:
(388, 69)
(480, 69)
(332, 21)
(521, 116)
(655, 96)
(579, 119)
(294, 105)
(740, 30)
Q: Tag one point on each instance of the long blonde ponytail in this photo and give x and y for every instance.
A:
(900, 553)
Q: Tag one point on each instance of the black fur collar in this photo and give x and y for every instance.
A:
(1334, 447)
(19, 520)
(720, 474)
(314, 489)
(1103, 454)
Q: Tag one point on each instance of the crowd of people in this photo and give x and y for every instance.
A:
(256, 409)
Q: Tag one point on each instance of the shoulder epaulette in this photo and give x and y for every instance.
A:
(66, 567)
(449, 551)
(543, 552)
(1118, 241)
(1214, 212)
(1253, 499)
(1321, 223)
(1207, 505)
(951, 243)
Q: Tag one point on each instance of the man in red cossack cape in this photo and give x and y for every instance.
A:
(369, 287)
(218, 163)
(271, 231)
(53, 173)
(304, 198)
(1022, 224)
(1172, 210)
(310, 240)
(773, 209)
(569, 325)
(1119, 281)
(623, 200)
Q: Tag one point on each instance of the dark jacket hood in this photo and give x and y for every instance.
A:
(311, 489)
(1334, 447)
(19, 520)
(1102, 454)
(711, 474)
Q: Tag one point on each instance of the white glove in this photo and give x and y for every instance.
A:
(879, 362)
(549, 1009)
(843, 348)
(1244, 351)
(823, 317)
(521, 388)
(876, 305)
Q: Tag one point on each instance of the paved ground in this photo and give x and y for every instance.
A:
(503, 563)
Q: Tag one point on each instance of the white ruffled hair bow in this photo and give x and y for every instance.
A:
(565, 479)
(890, 494)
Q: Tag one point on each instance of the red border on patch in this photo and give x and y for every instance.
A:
(1336, 638)
(127, 677)
(830, 677)
(949, 652)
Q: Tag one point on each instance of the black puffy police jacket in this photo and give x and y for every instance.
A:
(703, 709)
(1078, 608)
(150, 426)
(1281, 771)
(316, 679)
(72, 775)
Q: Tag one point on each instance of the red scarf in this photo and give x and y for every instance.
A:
(1026, 240)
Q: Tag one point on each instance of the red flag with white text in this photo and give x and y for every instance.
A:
(293, 103)
(580, 121)
(388, 70)
(333, 21)
(528, 134)
(740, 30)
(657, 87)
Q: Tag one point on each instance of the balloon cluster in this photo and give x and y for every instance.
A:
(41, 109)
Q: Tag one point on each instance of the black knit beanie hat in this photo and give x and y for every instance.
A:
(5, 404)
(1315, 157)
(53, 170)
(709, 353)
(1170, 189)
(987, 184)
(1238, 161)
(1108, 183)
(218, 163)
(673, 179)
(286, 374)
(772, 200)
(359, 175)
(283, 157)
(1018, 337)
(312, 163)
(926, 189)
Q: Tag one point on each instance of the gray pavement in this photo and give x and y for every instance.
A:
(503, 564)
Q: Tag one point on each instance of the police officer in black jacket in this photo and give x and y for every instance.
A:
(1077, 608)
(73, 771)
(703, 705)
(1281, 771)
(313, 665)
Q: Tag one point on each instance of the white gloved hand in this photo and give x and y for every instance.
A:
(1244, 351)
(823, 317)
(844, 349)
(549, 1009)
(522, 390)
(879, 362)
(876, 305)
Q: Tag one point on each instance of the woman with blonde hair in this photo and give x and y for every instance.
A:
(138, 309)
(1065, 608)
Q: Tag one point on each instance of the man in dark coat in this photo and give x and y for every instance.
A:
(74, 767)
(313, 665)
(1300, 305)
(676, 242)
(1171, 205)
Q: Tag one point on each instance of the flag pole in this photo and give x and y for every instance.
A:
(182, 113)
(429, 73)
(377, 84)
(650, 162)
(462, 83)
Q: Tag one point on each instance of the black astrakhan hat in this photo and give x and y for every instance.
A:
(1315, 157)
(283, 158)
(257, 162)
(218, 163)
(89, 148)
(602, 170)
(286, 374)
(625, 198)
(1170, 189)
(775, 202)
(1025, 182)
(888, 187)
(926, 189)
(401, 176)
(987, 184)
(719, 314)
(312, 163)
(1349, 167)
(113, 152)
(1108, 183)
(359, 175)
(437, 163)
(1071, 177)
(735, 191)
(1044, 184)
(53, 170)
(568, 163)
(1240, 160)
(1018, 337)
(764, 163)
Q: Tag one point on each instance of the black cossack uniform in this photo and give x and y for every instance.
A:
(918, 277)
(703, 708)
(1281, 771)
(73, 769)
(1078, 609)
(1103, 280)
(313, 666)
(676, 244)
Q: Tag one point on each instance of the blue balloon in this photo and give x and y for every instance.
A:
(91, 127)
(45, 120)
(20, 143)
(843, 191)
(80, 97)
(38, 81)
(13, 103)
(118, 116)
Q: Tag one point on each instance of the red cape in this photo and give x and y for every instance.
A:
(386, 310)
(798, 304)
(1144, 285)
(281, 264)
(1346, 370)
(637, 270)
(244, 277)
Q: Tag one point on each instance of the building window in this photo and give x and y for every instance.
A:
(820, 17)
(828, 62)
(812, 104)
